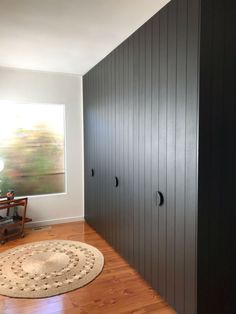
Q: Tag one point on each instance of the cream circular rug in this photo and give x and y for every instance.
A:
(47, 268)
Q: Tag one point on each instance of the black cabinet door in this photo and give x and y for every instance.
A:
(112, 208)
(174, 152)
(144, 125)
(120, 180)
(88, 151)
(163, 152)
(101, 152)
(90, 159)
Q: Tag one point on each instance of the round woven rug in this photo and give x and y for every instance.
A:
(47, 268)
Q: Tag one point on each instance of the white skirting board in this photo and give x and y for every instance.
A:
(53, 221)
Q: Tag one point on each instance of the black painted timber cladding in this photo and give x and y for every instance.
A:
(217, 159)
(141, 125)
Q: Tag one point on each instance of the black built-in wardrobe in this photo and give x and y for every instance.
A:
(160, 153)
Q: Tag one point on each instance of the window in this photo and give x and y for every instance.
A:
(32, 149)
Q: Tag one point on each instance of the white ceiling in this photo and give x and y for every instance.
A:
(68, 36)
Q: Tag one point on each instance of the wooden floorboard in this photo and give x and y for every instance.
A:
(119, 288)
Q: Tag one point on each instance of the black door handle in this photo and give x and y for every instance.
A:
(92, 172)
(159, 198)
(116, 182)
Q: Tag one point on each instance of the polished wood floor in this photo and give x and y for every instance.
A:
(119, 289)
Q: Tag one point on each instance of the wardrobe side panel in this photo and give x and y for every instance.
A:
(217, 155)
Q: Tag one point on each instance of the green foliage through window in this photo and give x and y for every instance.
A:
(32, 157)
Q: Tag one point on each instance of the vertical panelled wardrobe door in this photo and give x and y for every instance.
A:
(136, 148)
(141, 149)
(140, 114)
(130, 135)
(120, 151)
(86, 149)
(102, 150)
(159, 151)
(116, 162)
(181, 80)
(108, 131)
(112, 131)
(148, 153)
(96, 148)
(88, 164)
(125, 182)
(89, 150)
(162, 151)
(107, 141)
(119, 168)
(171, 152)
(93, 175)
(155, 148)
(191, 165)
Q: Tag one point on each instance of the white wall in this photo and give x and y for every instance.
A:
(43, 87)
